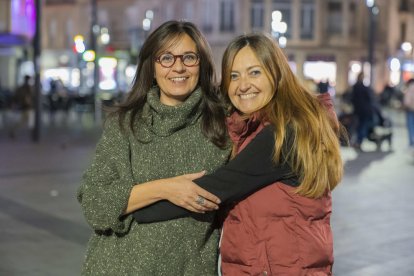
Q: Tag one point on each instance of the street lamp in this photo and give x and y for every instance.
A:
(279, 28)
(36, 61)
(373, 12)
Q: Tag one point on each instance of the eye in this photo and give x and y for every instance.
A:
(190, 57)
(255, 72)
(166, 58)
(234, 76)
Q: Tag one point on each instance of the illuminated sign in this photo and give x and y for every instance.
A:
(23, 17)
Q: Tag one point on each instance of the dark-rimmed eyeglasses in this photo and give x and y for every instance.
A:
(167, 60)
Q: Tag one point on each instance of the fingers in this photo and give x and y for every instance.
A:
(185, 193)
(208, 196)
(199, 206)
(192, 176)
(205, 204)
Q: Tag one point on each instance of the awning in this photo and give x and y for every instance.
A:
(9, 40)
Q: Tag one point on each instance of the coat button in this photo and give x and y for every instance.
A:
(264, 273)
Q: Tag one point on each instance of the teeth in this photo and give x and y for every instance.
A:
(247, 96)
(179, 79)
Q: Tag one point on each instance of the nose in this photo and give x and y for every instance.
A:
(244, 84)
(179, 65)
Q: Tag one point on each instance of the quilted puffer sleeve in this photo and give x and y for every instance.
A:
(107, 183)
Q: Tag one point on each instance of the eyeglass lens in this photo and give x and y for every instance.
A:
(168, 60)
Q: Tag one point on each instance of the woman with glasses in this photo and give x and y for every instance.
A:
(171, 124)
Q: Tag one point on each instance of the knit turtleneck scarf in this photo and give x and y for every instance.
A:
(163, 120)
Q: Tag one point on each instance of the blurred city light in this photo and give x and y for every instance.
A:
(276, 16)
(149, 14)
(279, 28)
(370, 3)
(107, 66)
(395, 64)
(89, 55)
(79, 44)
(319, 70)
(130, 71)
(282, 41)
(146, 24)
(356, 68)
(105, 37)
(406, 47)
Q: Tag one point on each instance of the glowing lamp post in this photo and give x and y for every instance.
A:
(373, 12)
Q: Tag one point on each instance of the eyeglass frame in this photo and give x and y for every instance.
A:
(157, 59)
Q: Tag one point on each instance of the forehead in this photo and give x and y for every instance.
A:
(245, 58)
(180, 44)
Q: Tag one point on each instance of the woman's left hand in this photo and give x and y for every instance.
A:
(183, 192)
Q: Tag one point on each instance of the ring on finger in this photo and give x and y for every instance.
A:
(200, 200)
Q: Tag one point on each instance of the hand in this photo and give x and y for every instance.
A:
(183, 192)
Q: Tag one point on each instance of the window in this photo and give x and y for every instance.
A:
(307, 21)
(285, 7)
(353, 23)
(403, 31)
(404, 6)
(257, 15)
(227, 15)
(334, 17)
(51, 34)
(69, 32)
(207, 15)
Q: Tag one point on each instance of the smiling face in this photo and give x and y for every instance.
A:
(250, 88)
(179, 81)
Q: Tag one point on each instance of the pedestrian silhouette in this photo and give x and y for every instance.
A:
(409, 110)
(23, 104)
(362, 99)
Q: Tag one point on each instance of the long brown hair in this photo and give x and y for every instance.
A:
(314, 151)
(213, 115)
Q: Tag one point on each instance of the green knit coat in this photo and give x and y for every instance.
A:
(168, 142)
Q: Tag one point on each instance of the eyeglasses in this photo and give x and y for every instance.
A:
(167, 60)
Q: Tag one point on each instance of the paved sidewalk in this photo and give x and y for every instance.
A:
(43, 232)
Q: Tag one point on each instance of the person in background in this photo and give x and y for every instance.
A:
(286, 161)
(323, 86)
(171, 124)
(23, 102)
(362, 99)
(408, 103)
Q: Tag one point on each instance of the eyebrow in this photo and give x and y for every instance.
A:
(250, 67)
(186, 52)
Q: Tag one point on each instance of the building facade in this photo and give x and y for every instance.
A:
(324, 39)
(17, 28)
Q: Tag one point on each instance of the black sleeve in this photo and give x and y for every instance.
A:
(252, 169)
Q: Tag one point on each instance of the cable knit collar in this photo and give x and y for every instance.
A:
(162, 120)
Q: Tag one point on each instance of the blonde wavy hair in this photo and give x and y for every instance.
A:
(314, 151)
